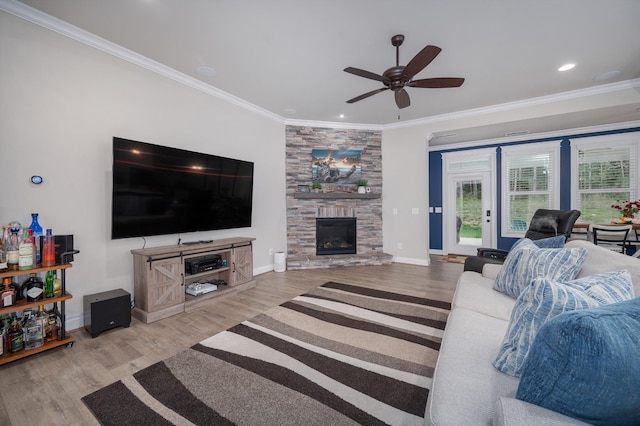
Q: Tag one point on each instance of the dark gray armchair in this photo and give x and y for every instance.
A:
(544, 224)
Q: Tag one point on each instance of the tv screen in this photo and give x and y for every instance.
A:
(160, 190)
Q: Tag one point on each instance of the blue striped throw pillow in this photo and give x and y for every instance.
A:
(545, 299)
(526, 261)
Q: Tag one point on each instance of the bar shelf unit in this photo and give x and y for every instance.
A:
(65, 339)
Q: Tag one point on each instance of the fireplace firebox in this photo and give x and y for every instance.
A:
(335, 235)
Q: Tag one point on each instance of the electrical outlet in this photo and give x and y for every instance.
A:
(415, 210)
(395, 210)
(399, 246)
(270, 252)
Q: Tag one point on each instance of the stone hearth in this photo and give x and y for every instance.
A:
(336, 201)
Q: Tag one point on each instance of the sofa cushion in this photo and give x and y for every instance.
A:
(585, 364)
(526, 261)
(543, 300)
(513, 412)
(476, 293)
(465, 386)
(600, 259)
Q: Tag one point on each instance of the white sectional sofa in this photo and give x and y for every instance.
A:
(467, 389)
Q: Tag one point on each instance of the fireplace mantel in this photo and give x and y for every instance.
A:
(334, 195)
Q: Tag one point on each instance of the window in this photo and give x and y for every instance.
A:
(529, 182)
(605, 170)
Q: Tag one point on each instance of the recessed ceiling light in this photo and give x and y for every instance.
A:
(290, 111)
(341, 116)
(607, 75)
(566, 67)
(206, 71)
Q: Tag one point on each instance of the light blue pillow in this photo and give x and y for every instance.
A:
(586, 365)
(545, 299)
(526, 261)
(551, 242)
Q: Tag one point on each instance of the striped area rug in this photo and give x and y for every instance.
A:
(339, 355)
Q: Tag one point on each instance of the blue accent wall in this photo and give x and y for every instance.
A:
(436, 177)
(435, 199)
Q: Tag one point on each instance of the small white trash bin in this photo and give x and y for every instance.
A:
(279, 261)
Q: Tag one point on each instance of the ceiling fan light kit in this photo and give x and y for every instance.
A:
(399, 76)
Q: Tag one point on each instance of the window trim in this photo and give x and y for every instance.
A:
(537, 148)
(603, 141)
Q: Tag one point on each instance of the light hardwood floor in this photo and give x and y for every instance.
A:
(46, 388)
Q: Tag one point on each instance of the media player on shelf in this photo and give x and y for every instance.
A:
(196, 289)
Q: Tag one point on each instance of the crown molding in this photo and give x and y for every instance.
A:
(557, 134)
(333, 125)
(49, 22)
(525, 103)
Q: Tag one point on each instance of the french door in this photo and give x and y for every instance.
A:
(468, 213)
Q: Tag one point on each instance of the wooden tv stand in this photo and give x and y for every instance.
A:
(160, 276)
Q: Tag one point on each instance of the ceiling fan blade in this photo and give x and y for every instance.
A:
(366, 95)
(437, 83)
(366, 74)
(421, 60)
(402, 99)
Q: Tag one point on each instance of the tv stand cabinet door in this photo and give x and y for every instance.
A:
(159, 285)
(242, 267)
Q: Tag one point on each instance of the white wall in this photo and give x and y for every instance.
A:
(61, 102)
(404, 188)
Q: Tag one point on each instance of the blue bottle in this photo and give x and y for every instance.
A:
(37, 237)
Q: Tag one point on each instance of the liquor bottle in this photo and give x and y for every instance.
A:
(25, 250)
(13, 246)
(48, 287)
(48, 249)
(3, 247)
(53, 331)
(43, 318)
(33, 289)
(3, 257)
(37, 237)
(15, 340)
(32, 333)
(8, 297)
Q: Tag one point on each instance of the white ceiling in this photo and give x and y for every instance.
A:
(290, 54)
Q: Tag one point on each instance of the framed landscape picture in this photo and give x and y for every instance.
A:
(336, 166)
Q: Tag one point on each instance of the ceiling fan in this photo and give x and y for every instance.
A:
(398, 77)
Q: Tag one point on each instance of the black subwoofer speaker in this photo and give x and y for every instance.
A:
(106, 310)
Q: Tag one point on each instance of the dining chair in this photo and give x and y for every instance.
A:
(613, 237)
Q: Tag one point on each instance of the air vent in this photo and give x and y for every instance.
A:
(520, 133)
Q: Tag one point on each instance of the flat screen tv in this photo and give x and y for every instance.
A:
(159, 190)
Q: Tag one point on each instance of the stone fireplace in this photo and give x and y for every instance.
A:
(336, 201)
(335, 235)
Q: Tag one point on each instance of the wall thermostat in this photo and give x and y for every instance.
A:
(36, 179)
